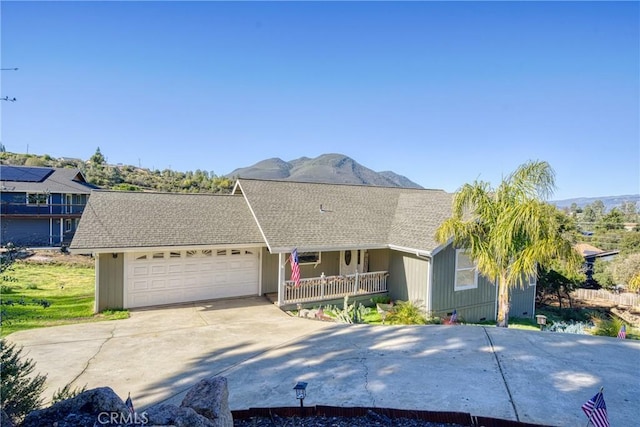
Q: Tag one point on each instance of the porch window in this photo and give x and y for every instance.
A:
(466, 273)
(308, 258)
(37, 199)
(67, 225)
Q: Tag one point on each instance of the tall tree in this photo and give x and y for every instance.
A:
(630, 211)
(97, 159)
(614, 220)
(598, 208)
(510, 230)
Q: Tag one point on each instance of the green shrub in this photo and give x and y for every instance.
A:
(20, 390)
(380, 299)
(4, 289)
(407, 313)
(570, 327)
(349, 313)
(66, 393)
(606, 327)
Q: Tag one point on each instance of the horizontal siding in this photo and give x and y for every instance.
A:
(28, 232)
(472, 305)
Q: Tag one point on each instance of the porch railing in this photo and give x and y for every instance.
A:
(331, 287)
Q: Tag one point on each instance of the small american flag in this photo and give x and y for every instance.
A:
(623, 332)
(454, 316)
(129, 403)
(596, 410)
(295, 267)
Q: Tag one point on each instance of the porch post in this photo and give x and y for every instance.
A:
(355, 283)
(281, 279)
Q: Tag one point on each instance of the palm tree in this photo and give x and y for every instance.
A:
(510, 230)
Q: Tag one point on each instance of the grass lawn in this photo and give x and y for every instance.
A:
(41, 294)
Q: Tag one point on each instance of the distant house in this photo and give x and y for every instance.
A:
(158, 248)
(591, 254)
(40, 206)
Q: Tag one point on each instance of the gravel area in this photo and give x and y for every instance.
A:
(372, 419)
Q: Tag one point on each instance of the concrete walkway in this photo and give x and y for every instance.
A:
(158, 354)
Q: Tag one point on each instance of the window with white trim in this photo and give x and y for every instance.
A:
(37, 199)
(532, 280)
(466, 272)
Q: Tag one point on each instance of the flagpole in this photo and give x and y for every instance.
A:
(595, 405)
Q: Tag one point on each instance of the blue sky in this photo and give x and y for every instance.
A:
(442, 92)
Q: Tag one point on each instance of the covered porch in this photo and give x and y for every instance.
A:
(355, 273)
(325, 288)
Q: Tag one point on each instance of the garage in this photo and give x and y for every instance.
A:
(168, 277)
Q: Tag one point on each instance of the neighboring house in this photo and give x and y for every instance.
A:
(158, 248)
(591, 254)
(41, 206)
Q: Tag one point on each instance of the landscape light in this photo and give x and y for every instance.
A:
(541, 320)
(301, 392)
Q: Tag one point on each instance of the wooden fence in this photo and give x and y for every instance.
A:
(626, 298)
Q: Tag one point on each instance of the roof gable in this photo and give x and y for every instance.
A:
(315, 216)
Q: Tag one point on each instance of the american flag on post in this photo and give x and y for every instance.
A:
(295, 267)
(596, 410)
(129, 403)
(623, 332)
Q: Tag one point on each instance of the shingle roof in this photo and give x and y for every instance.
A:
(282, 214)
(417, 217)
(60, 180)
(115, 219)
(290, 216)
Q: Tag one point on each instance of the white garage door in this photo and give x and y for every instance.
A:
(155, 278)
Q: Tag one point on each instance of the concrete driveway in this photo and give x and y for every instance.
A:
(158, 354)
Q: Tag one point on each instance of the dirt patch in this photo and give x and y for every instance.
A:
(56, 257)
(629, 314)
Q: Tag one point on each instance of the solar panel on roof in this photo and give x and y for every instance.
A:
(24, 173)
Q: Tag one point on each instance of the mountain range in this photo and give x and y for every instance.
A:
(327, 168)
(336, 168)
(608, 201)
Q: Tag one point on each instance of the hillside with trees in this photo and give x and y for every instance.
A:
(126, 177)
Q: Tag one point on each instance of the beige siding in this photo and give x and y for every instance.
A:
(329, 265)
(378, 259)
(110, 282)
(408, 276)
(269, 272)
(472, 305)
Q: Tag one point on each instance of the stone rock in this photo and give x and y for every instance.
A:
(83, 409)
(303, 313)
(5, 421)
(162, 415)
(210, 398)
